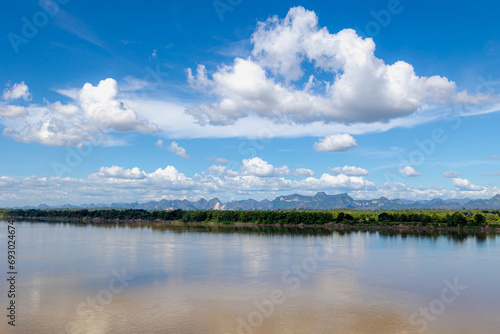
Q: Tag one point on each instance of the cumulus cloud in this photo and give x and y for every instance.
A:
(101, 106)
(338, 182)
(464, 184)
(349, 170)
(303, 172)
(121, 173)
(451, 174)
(335, 143)
(178, 150)
(17, 91)
(259, 167)
(409, 171)
(96, 113)
(273, 84)
(135, 178)
(10, 111)
(170, 174)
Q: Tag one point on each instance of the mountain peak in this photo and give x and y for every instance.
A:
(320, 201)
(215, 199)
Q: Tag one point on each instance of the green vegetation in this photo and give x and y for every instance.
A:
(416, 217)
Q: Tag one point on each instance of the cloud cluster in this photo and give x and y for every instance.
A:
(95, 113)
(299, 80)
(273, 84)
(405, 191)
(256, 178)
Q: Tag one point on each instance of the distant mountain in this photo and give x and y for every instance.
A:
(320, 201)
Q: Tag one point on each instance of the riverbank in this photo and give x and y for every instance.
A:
(328, 226)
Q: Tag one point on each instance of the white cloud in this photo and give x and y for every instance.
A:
(259, 167)
(217, 160)
(405, 191)
(299, 80)
(132, 84)
(272, 82)
(303, 172)
(137, 180)
(175, 123)
(159, 143)
(171, 174)
(10, 111)
(218, 170)
(335, 143)
(72, 93)
(95, 114)
(349, 170)
(65, 109)
(257, 177)
(121, 173)
(338, 182)
(464, 184)
(100, 106)
(178, 150)
(200, 80)
(18, 90)
(409, 171)
(119, 184)
(451, 174)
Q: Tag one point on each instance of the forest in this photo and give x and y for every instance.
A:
(411, 217)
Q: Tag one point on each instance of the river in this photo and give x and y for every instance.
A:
(144, 279)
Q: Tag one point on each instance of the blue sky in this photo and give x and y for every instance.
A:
(135, 101)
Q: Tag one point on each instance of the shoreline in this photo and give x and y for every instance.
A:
(329, 226)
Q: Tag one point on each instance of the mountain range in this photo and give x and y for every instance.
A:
(320, 201)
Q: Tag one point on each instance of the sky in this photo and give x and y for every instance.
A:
(128, 101)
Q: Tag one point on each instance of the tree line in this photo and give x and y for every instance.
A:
(420, 217)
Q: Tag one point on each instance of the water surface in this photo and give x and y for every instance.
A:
(142, 279)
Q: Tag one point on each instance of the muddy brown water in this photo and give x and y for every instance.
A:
(142, 279)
